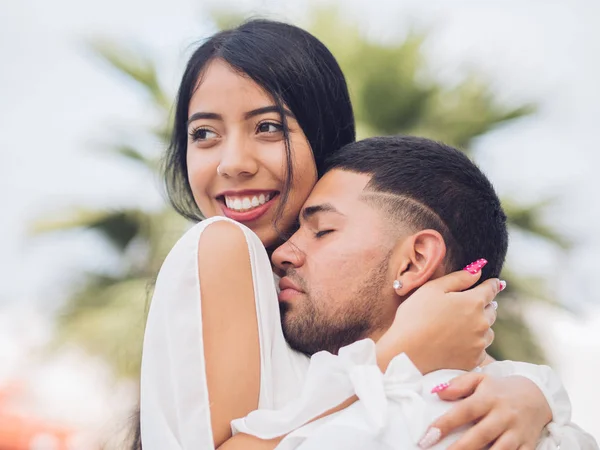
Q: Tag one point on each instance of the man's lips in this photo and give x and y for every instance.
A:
(288, 289)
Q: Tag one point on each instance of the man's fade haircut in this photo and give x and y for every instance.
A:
(430, 185)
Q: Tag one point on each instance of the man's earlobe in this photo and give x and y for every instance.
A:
(423, 254)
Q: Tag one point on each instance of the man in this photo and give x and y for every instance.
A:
(389, 215)
(393, 208)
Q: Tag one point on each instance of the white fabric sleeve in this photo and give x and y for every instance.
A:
(391, 407)
(174, 403)
(560, 433)
(329, 382)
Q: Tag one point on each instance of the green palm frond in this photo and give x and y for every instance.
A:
(107, 317)
(225, 19)
(458, 115)
(513, 338)
(117, 227)
(133, 154)
(527, 286)
(135, 66)
(530, 219)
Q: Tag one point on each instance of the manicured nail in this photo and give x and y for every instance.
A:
(494, 305)
(502, 285)
(476, 266)
(431, 438)
(440, 388)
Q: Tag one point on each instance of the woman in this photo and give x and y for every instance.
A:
(259, 109)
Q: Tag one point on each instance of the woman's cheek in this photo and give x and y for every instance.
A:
(197, 177)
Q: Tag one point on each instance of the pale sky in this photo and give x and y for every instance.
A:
(57, 102)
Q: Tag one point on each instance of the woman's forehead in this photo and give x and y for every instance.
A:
(221, 86)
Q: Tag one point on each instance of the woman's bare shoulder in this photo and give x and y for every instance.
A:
(223, 243)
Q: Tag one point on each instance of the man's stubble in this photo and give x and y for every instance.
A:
(309, 327)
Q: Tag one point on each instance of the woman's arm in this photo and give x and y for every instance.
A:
(230, 329)
(443, 324)
(243, 441)
(515, 405)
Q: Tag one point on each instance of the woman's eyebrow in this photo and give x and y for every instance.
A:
(266, 109)
(204, 115)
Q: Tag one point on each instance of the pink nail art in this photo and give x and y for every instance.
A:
(440, 388)
(476, 266)
(502, 285)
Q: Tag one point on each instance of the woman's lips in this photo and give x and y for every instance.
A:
(249, 215)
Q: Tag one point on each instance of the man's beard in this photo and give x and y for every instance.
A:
(310, 329)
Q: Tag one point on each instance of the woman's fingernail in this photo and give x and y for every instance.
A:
(494, 305)
(431, 438)
(502, 285)
(440, 388)
(476, 266)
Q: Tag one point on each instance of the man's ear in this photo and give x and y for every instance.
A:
(420, 257)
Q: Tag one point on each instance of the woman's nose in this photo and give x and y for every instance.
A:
(238, 160)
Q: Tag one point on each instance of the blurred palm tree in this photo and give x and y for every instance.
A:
(106, 311)
(391, 94)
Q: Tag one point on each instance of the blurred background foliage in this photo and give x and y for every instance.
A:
(393, 91)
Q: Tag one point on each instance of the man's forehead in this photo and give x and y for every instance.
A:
(338, 185)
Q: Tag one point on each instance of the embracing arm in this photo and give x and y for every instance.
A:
(243, 441)
(421, 329)
(230, 329)
(515, 404)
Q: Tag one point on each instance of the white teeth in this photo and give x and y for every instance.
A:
(246, 203)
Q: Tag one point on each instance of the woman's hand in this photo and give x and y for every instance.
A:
(441, 327)
(509, 413)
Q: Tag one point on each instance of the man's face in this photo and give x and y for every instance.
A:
(337, 286)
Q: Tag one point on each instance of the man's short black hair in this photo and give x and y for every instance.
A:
(433, 186)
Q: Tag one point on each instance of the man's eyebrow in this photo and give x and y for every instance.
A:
(204, 115)
(310, 211)
(266, 109)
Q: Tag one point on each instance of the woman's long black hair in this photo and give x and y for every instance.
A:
(295, 69)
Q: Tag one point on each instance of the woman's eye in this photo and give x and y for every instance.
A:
(269, 127)
(202, 134)
(320, 234)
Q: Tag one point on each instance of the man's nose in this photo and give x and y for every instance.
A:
(238, 159)
(288, 256)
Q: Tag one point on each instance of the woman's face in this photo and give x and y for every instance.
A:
(236, 153)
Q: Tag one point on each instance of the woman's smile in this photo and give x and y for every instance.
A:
(248, 205)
